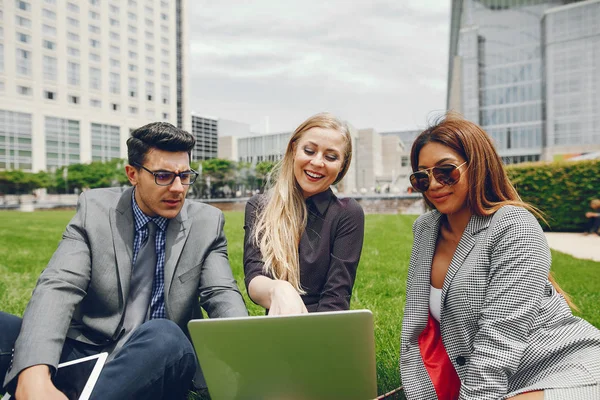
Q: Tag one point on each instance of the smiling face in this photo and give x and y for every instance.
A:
(318, 159)
(153, 200)
(446, 199)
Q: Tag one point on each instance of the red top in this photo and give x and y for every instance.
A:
(441, 371)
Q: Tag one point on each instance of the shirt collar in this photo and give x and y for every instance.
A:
(320, 201)
(142, 219)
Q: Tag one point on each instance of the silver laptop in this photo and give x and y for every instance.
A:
(311, 356)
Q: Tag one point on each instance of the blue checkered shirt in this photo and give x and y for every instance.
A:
(157, 303)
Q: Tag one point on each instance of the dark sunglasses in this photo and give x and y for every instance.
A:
(445, 174)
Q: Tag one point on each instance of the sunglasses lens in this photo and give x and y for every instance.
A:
(420, 181)
(446, 174)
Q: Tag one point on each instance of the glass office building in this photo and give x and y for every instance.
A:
(498, 71)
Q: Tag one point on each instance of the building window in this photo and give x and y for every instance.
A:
(94, 15)
(115, 36)
(133, 87)
(131, 16)
(114, 106)
(49, 95)
(48, 14)
(149, 90)
(72, 51)
(165, 94)
(73, 36)
(95, 103)
(133, 67)
(24, 90)
(22, 21)
(50, 68)
(73, 75)
(23, 5)
(132, 42)
(48, 30)
(23, 38)
(115, 50)
(95, 57)
(114, 83)
(23, 62)
(165, 115)
(73, 99)
(62, 142)
(106, 143)
(15, 140)
(133, 110)
(73, 7)
(94, 29)
(131, 29)
(133, 54)
(114, 22)
(95, 78)
(149, 72)
(115, 63)
(47, 44)
(113, 9)
(73, 22)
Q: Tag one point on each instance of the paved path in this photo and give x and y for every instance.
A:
(575, 244)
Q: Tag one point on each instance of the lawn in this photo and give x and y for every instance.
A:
(27, 240)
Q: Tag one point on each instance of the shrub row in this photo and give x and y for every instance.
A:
(561, 190)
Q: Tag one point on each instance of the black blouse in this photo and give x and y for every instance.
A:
(329, 250)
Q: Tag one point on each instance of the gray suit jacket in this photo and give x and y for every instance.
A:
(82, 292)
(504, 326)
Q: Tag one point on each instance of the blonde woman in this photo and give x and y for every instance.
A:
(303, 243)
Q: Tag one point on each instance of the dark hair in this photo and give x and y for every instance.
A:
(158, 135)
(489, 185)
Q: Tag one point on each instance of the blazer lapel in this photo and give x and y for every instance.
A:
(177, 234)
(465, 245)
(418, 301)
(122, 226)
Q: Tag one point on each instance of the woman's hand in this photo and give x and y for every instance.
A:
(285, 300)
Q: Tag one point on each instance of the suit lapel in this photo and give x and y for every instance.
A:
(419, 291)
(122, 226)
(465, 245)
(177, 234)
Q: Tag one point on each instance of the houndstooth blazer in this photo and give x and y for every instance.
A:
(504, 326)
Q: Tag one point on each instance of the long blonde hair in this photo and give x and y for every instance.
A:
(282, 217)
(490, 187)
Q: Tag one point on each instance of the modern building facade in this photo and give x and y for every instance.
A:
(76, 76)
(209, 131)
(572, 65)
(503, 76)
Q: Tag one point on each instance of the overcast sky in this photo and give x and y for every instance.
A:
(377, 64)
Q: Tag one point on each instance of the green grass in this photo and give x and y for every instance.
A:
(27, 240)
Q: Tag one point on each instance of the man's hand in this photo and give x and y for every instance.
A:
(285, 300)
(590, 214)
(35, 383)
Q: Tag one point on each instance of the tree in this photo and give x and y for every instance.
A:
(220, 176)
(263, 169)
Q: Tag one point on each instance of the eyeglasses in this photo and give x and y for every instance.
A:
(165, 178)
(446, 174)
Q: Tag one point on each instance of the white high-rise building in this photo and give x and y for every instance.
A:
(76, 76)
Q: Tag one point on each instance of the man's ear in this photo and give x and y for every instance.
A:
(132, 174)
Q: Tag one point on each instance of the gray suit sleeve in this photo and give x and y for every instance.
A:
(219, 293)
(60, 287)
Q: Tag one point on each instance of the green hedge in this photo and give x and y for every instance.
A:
(561, 190)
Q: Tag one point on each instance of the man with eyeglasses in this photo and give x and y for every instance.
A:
(131, 270)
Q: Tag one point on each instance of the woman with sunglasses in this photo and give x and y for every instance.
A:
(483, 317)
(302, 243)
